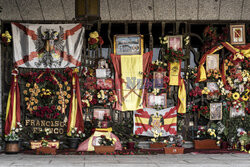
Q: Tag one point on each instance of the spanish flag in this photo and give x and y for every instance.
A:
(13, 113)
(75, 118)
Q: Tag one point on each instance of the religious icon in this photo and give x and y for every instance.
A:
(237, 34)
(212, 62)
(215, 111)
(175, 42)
(156, 100)
(213, 87)
(158, 79)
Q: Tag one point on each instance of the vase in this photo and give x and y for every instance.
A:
(104, 149)
(12, 147)
(205, 144)
(173, 150)
(73, 143)
(157, 145)
(46, 151)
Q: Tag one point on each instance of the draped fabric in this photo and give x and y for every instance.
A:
(75, 118)
(47, 45)
(175, 73)
(129, 76)
(13, 112)
(182, 98)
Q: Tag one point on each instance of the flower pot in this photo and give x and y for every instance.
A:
(205, 144)
(46, 151)
(131, 145)
(73, 143)
(104, 149)
(173, 150)
(157, 145)
(12, 147)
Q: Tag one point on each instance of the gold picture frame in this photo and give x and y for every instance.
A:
(158, 78)
(128, 44)
(212, 62)
(175, 42)
(215, 111)
(238, 34)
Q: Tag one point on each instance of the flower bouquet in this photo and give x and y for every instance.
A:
(94, 40)
(174, 145)
(107, 145)
(157, 140)
(12, 139)
(74, 139)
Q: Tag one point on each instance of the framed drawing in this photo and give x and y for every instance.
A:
(156, 100)
(215, 111)
(158, 79)
(175, 42)
(128, 44)
(212, 62)
(237, 112)
(213, 87)
(98, 113)
(237, 34)
(103, 73)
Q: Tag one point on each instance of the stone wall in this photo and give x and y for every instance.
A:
(113, 10)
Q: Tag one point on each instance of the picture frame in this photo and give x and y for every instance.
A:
(215, 111)
(175, 42)
(235, 113)
(153, 100)
(98, 113)
(212, 62)
(158, 79)
(103, 73)
(212, 86)
(238, 34)
(102, 63)
(128, 44)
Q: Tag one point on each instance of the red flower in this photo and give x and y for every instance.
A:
(92, 41)
(101, 42)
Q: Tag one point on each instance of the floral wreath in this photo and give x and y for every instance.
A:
(47, 93)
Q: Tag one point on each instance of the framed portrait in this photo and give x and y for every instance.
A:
(215, 111)
(128, 44)
(212, 86)
(236, 113)
(156, 100)
(212, 62)
(102, 63)
(158, 79)
(103, 73)
(237, 34)
(98, 113)
(104, 83)
(175, 42)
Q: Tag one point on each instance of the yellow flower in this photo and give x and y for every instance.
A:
(153, 140)
(65, 93)
(59, 108)
(26, 99)
(32, 99)
(35, 108)
(36, 101)
(60, 101)
(31, 103)
(68, 88)
(236, 95)
(57, 93)
(59, 97)
(25, 92)
(60, 85)
(94, 34)
(66, 83)
(43, 89)
(30, 90)
(27, 85)
(66, 101)
(35, 86)
(245, 98)
(68, 96)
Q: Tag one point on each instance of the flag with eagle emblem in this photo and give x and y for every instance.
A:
(47, 45)
(149, 120)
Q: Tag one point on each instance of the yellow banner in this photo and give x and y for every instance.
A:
(174, 71)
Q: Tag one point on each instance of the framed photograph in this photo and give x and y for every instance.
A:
(103, 73)
(158, 79)
(98, 113)
(215, 111)
(212, 62)
(159, 100)
(105, 83)
(128, 44)
(175, 42)
(236, 112)
(237, 34)
(212, 86)
(102, 63)
(241, 88)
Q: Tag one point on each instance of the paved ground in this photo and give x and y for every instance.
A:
(161, 160)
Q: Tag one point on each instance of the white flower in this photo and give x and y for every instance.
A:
(77, 135)
(18, 123)
(17, 130)
(79, 132)
(75, 128)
